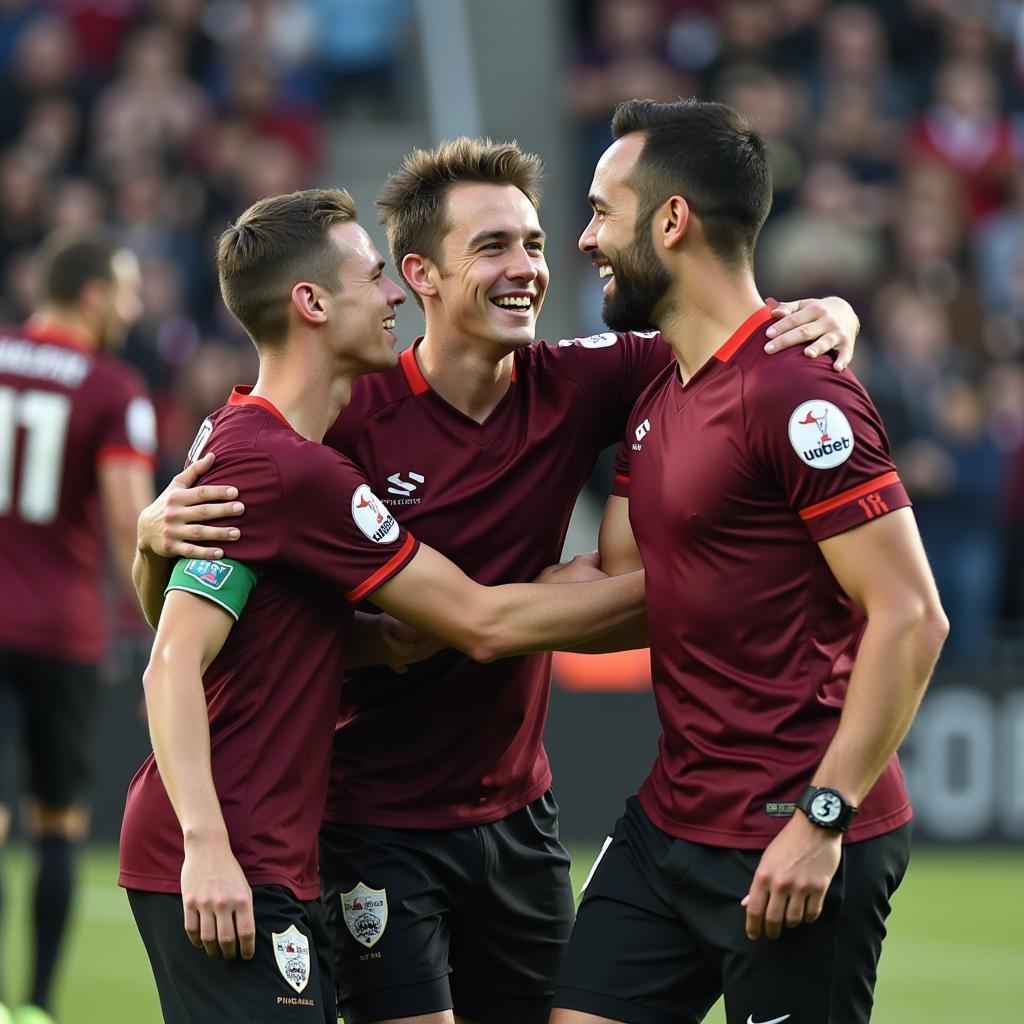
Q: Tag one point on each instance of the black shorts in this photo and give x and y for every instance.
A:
(47, 710)
(423, 920)
(660, 935)
(288, 979)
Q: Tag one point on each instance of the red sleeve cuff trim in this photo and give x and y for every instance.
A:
(830, 504)
(384, 572)
(621, 478)
(118, 452)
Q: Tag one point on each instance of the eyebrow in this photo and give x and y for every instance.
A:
(503, 236)
(595, 200)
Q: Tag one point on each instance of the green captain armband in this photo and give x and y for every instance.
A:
(227, 582)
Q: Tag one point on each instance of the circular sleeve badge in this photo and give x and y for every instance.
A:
(821, 434)
(371, 515)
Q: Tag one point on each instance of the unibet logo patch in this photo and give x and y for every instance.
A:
(821, 434)
(371, 515)
(211, 574)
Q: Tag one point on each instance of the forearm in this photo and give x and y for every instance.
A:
(894, 663)
(523, 618)
(628, 637)
(180, 731)
(150, 574)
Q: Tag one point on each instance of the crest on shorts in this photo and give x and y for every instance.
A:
(366, 913)
(291, 951)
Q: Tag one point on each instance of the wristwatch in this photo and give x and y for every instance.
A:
(826, 808)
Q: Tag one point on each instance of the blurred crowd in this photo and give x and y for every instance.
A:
(896, 133)
(164, 119)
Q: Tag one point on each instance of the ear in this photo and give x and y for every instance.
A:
(93, 296)
(306, 299)
(672, 221)
(421, 274)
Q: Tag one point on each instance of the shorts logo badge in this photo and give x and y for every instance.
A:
(821, 434)
(211, 574)
(366, 913)
(291, 951)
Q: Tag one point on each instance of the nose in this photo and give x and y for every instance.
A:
(588, 240)
(395, 294)
(522, 265)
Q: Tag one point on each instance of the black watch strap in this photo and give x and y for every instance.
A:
(826, 808)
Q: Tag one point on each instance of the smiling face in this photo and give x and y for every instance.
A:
(493, 275)
(619, 243)
(362, 311)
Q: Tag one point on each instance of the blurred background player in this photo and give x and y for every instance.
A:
(77, 444)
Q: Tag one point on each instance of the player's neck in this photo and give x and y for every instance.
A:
(49, 320)
(471, 377)
(705, 314)
(310, 402)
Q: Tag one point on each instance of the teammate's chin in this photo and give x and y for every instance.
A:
(631, 303)
(635, 293)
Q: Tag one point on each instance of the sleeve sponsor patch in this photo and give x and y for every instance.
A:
(372, 517)
(227, 582)
(820, 434)
(605, 340)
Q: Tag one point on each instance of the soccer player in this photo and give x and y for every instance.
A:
(243, 683)
(439, 803)
(77, 442)
(793, 620)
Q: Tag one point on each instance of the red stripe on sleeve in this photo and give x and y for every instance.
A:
(384, 572)
(621, 478)
(118, 452)
(844, 498)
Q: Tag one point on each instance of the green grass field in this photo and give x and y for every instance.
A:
(955, 951)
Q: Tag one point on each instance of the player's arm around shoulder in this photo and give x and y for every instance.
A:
(176, 524)
(216, 897)
(820, 325)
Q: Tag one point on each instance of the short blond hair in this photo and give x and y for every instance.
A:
(277, 242)
(412, 201)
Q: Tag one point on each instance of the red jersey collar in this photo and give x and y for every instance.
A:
(66, 337)
(414, 375)
(742, 333)
(240, 396)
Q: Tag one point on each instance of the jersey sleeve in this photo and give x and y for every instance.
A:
(620, 485)
(824, 443)
(128, 425)
(227, 583)
(614, 370)
(338, 529)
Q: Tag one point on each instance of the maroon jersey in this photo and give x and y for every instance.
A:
(732, 480)
(452, 742)
(63, 411)
(321, 541)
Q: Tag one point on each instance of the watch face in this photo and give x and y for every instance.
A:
(826, 807)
